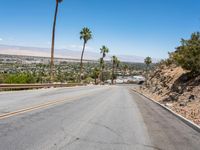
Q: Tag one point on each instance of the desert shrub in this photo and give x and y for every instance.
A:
(88, 80)
(188, 54)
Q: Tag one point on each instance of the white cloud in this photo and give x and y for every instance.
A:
(1, 39)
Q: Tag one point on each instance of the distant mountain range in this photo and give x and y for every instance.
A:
(62, 53)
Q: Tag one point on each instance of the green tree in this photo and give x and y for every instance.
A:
(95, 74)
(147, 61)
(115, 63)
(53, 39)
(118, 63)
(188, 54)
(104, 50)
(125, 67)
(85, 35)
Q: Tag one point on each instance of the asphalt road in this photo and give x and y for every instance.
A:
(89, 118)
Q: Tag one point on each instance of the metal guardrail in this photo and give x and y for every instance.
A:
(35, 86)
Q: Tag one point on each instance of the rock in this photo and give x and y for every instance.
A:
(174, 96)
(170, 85)
(185, 78)
(191, 97)
(179, 88)
(169, 104)
(159, 87)
(171, 97)
(183, 104)
(164, 84)
(153, 89)
(160, 92)
(189, 88)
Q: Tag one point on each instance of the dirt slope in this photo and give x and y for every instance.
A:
(175, 88)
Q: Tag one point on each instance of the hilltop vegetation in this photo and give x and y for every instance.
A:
(188, 54)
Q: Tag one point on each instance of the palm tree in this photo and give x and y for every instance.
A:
(95, 74)
(53, 39)
(147, 61)
(85, 35)
(118, 63)
(104, 50)
(125, 67)
(115, 62)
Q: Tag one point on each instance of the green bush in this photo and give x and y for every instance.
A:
(188, 54)
(21, 78)
(88, 80)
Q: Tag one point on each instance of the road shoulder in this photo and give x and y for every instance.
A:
(165, 130)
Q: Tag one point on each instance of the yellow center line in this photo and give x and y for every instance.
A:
(42, 105)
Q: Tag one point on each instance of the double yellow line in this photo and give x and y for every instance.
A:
(40, 106)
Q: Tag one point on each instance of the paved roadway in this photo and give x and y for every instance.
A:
(89, 118)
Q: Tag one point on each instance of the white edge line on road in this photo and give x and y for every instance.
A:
(185, 120)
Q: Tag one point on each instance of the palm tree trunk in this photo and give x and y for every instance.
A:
(95, 81)
(113, 68)
(53, 41)
(146, 75)
(146, 71)
(81, 64)
(102, 69)
(102, 78)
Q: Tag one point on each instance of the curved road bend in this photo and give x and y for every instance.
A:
(90, 118)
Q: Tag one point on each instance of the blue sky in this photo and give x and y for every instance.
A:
(128, 27)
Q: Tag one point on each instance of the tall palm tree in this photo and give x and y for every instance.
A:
(104, 50)
(115, 61)
(85, 35)
(53, 39)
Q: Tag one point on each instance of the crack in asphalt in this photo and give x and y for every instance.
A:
(106, 127)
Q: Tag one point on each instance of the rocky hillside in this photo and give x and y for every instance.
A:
(175, 88)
